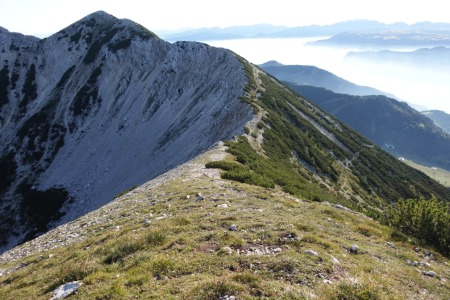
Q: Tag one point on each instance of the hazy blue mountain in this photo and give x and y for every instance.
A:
(311, 75)
(411, 37)
(270, 31)
(217, 33)
(436, 57)
(440, 118)
(391, 124)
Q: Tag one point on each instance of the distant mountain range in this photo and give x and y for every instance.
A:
(436, 57)
(411, 37)
(344, 32)
(391, 124)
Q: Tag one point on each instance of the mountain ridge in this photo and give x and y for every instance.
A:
(123, 106)
(285, 207)
(383, 39)
(311, 75)
(440, 118)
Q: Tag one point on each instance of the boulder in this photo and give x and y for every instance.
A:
(66, 289)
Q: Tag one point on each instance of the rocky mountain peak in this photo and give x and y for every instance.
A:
(100, 16)
(99, 107)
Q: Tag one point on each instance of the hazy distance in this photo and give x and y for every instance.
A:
(418, 84)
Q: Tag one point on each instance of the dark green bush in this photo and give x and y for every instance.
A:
(8, 166)
(122, 44)
(241, 173)
(97, 45)
(87, 95)
(29, 89)
(39, 208)
(427, 220)
(224, 165)
(249, 177)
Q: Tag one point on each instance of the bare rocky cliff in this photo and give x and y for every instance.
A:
(99, 107)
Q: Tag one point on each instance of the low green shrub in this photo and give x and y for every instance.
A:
(224, 165)
(75, 270)
(367, 230)
(240, 173)
(250, 177)
(427, 220)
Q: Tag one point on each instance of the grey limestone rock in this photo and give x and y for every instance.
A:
(233, 227)
(66, 289)
(82, 105)
(430, 273)
(354, 249)
(311, 252)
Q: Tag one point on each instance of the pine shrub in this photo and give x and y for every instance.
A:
(427, 220)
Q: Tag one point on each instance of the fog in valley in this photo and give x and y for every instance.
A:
(422, 84)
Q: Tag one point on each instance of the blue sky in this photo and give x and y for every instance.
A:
(44, 17)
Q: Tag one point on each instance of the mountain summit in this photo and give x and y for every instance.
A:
(99, 107)
(104, 105)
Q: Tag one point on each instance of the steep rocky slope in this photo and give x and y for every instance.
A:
(99, 107)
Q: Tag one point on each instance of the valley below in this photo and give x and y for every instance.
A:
(438, 174)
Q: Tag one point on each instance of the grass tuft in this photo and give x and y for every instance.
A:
(353, 290)
(117, 250)
(214, 290)
(155, 238)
